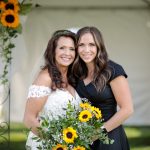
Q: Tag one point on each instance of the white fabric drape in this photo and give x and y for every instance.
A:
(127, 38)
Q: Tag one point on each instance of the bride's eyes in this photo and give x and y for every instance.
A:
(63, 48)
(72, 49)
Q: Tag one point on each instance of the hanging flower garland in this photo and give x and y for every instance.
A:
(10, 27)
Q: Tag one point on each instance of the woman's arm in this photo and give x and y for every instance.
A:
(123, 97)
(35, 104)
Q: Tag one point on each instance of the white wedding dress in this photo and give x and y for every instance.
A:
(55, 104)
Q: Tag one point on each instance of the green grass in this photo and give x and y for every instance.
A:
(18, 137)
(139, 137)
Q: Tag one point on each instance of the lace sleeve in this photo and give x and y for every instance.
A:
(38, 91)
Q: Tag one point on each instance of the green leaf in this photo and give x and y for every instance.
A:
(12, 32)
(5, 39)
(4, 81)
(11, 45)
(5, 1)
(19, 30)
(25, 8)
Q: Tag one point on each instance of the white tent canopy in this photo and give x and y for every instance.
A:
(126, 29)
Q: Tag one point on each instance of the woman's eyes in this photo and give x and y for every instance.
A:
(79, 45)
(82, 44)
(63, 48)
(72, 49)
(92, 44)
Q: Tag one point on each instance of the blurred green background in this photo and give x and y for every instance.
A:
(139, 137)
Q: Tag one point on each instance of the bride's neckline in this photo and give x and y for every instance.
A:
(61, 89)
(65, 90)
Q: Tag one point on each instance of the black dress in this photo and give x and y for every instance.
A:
(106, 102)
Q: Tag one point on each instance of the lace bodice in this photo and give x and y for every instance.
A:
(56, 102)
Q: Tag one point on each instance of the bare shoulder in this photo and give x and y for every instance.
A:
(43, 78)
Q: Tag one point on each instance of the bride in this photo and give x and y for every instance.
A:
(53, 87)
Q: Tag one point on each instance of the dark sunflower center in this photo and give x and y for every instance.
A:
(84, 116)
(10, 18)
(69, 135)
(9, 6)
(60, 148)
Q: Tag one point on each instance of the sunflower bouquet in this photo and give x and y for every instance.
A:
(73, 131)
(10, 27)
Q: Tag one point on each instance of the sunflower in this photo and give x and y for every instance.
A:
(69, 134)
(79, 148)
(85, 105)
(85, 116)
(10, 19)
(2, 5)
(59, 147)
(10, 5)
(97, 112)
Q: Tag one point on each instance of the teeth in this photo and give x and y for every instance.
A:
(64, 58)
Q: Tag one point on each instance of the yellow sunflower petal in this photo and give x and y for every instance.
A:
(85, 116)
(59, 147)
(2, 5)
(85, 105)
(69, 134)
(97, 112)
(11, 6)
(10, 19)
(79, 148)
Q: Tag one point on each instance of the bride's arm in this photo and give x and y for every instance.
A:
(37, 96)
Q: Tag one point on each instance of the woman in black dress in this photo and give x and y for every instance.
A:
(104, 83)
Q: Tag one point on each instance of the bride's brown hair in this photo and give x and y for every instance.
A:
(101, 71)
(50, 62)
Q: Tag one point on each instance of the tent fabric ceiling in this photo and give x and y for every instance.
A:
(100, 3)
(126, 33)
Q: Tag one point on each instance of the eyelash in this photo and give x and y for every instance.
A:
(80, 45)
(72, 49)
(91, 44)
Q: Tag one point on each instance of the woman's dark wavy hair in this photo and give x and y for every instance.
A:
(102, 72)
(50, 62)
